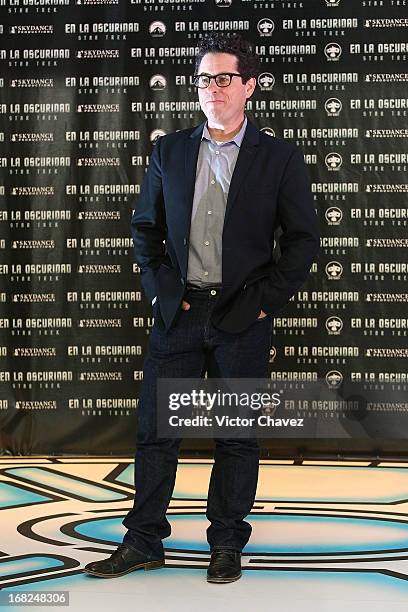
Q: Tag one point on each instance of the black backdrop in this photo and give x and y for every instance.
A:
(86, 88)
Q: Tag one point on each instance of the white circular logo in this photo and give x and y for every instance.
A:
(333, 161)
(157, 28)
(266, 27)
(332, 51)
(155, 135)
(266, 81)
(334, 270)
(333, 215)
(334, 378)
(333, 107)
(157, 82)
(334, 325)
(268, 130)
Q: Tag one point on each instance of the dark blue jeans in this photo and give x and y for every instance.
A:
(191, 347)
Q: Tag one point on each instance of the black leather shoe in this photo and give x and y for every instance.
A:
(225, 566)
(122, 561)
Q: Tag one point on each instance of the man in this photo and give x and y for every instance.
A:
(203, 231)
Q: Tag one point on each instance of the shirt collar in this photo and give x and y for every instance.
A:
(237, 138)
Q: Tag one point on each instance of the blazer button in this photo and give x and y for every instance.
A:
(185, 241)
(182, 281)
(245, 286)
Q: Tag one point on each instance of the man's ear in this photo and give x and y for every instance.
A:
(251, 83)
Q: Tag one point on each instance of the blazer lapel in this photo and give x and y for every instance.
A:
(244, 160)
(192, 147)
(190, 162)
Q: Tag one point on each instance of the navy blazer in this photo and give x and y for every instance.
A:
(269, 189)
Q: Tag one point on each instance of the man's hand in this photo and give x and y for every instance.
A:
(262, 314)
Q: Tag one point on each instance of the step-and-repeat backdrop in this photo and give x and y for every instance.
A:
(86, 88)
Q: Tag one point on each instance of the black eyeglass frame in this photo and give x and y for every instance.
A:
(214, 76)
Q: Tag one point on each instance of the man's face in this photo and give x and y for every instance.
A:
(223, 105)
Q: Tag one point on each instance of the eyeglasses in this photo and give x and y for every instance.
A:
(223, 79)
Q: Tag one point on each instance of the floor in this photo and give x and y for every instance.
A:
(327, 536)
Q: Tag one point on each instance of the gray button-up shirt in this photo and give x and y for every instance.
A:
(215, 165)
